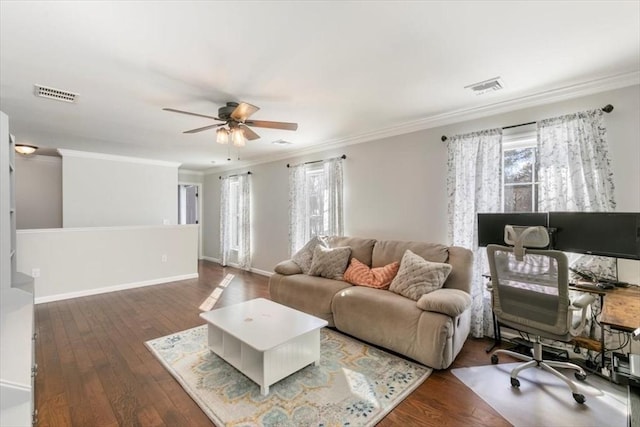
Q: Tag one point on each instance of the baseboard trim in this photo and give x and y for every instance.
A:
(262, 272)
(231, 264)
(106, 289)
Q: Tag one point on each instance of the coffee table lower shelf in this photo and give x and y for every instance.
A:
(270, 366)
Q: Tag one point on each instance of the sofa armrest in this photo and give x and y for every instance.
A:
(287, 268)
(452, 302)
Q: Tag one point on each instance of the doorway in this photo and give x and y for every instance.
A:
(189, 208)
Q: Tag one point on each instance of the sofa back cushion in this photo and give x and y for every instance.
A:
(388, 251)
(461, 259)
(361, 248)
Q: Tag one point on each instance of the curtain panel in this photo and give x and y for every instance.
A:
(474, 184)
(575, 175)
(330, 184)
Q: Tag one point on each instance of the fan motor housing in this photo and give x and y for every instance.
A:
(225, 112)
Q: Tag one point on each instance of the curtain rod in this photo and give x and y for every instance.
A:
(607, 109)
(344, 156)
(231, 176)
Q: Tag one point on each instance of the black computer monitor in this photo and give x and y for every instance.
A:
(491, 225)
(612, 234)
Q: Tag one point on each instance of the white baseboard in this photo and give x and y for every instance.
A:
(78, 294)
(253, 270)
(262, 272)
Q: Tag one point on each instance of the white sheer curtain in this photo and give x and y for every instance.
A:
(574, 166)
(325, 184)
(235, 221)
(474, 184)
(575, 173)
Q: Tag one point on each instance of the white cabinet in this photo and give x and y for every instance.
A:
(17, 361)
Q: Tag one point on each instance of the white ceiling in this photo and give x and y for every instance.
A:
(344, 71)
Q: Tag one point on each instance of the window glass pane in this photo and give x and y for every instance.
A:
(518, 165)
(518, 198)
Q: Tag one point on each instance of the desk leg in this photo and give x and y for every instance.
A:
(496, 333)
(602, 349)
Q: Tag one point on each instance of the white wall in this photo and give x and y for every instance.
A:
(38, 192)
(100, 190)
(75, 262)
(396, 187)
(189, 176)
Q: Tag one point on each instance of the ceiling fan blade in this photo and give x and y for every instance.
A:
(190, 114)
(248, 133)
(243, 111)
(272, 125)
(204, 128)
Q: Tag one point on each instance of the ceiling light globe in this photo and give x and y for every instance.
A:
(222, 136)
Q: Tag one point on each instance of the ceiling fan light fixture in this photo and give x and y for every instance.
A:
(25, 149)
(237, 136)
(222, 136)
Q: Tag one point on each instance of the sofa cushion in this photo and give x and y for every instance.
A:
(379, 278)
(418, 276)
(305, 255)
(360, 248)
(388, 251)
(329, 263)
(287, 268)
(452, 302)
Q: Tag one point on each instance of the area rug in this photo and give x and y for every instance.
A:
(544, 400)
(354, 385)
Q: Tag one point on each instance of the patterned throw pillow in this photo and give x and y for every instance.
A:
(380, 277)
(304, 256)
(329, 263)
(418, 276)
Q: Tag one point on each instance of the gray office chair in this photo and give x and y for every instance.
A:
(530, 293)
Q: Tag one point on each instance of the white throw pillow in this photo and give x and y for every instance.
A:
(330, 263)
(418, 276)
(304, 256)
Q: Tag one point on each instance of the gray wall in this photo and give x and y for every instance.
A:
(396, 187)
(38, 192)
(108, 192)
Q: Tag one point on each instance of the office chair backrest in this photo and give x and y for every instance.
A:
(533, 292)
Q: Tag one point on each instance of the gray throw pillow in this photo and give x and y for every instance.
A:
(418, 276)
(330, 263)
(304, 256)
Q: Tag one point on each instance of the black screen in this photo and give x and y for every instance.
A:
(612, 234)
(491, 225)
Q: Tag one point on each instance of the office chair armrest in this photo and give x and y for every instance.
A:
(452, 302)
(582, 301)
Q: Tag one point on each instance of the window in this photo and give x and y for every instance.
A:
(520, 174)
(315, 201)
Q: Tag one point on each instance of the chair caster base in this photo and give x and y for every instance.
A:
(579, 398)
(515, 382)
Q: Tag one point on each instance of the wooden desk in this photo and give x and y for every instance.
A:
(621, 309)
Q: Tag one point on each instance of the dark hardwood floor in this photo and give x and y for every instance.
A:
(94, 370)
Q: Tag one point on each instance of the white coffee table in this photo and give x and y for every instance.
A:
(264, 340)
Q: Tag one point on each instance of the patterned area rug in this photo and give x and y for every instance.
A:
(355, 384)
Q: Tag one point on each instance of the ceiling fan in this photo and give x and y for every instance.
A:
(235, 116)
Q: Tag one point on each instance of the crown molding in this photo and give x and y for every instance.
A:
(527, 101)
(112, 157)
(191, 172)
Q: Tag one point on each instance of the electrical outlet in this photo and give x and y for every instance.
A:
(35, 272)
(164, 257)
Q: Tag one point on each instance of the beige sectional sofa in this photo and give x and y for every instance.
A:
(431, 330)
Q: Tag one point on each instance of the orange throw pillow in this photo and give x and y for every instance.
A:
(380, 278)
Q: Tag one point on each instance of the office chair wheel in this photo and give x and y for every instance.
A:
(580, 377)
(579, 398)
(494, 359)
(516, 383)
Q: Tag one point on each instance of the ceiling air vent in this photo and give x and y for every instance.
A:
(281, 142)
(57, 94)
(490, 85)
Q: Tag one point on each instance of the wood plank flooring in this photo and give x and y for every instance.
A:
(94, 370)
